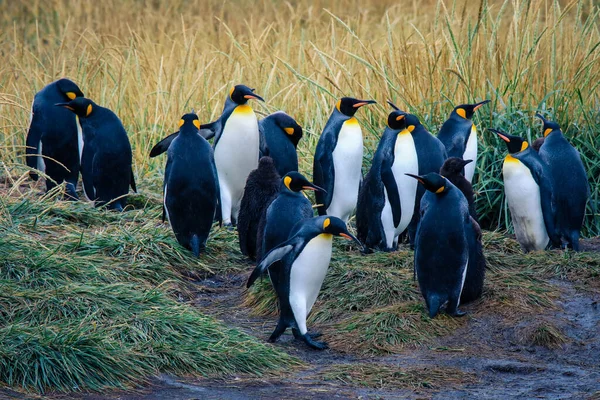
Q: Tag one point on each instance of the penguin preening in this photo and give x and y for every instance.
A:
(386, 200)
(529, 193)
(191, 186)
(459, 135)
(473, 286)
(106, 165)
(338, 160)
(236, 148)
(297, 279)
(441, 244)
(261, 189)
(285, 211)
(570, 182)
(279, 137)
(54, 140)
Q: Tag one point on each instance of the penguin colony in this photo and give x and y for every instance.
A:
(418, 184)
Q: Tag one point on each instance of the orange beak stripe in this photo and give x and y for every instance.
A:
(308, 188)
(345, 236)
(362, 103)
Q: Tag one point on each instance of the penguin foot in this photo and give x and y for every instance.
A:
(313, 344)
(457, 313)
(315, 335)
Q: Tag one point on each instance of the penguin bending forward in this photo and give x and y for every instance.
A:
(441, 244)
(54, 139)
(298, 278)
(387, 196)
(572, 189)
(473, 287)
(106, 160)
(236, 148)
(459, 135)
(338, 160)
(261, 189)
(279, 137)
(530, 194)
(191, 186)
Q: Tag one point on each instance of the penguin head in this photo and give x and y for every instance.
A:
(81, 106)
(433, 182)
(296, 182)
(335, 226)
(466, 111)
(348, 105)
(240, 94)
(397, 120)
(69, 89)
(289, 126)
(189, 123)
(410, 121)
(514, 144)
(454, 166)
(549, 126)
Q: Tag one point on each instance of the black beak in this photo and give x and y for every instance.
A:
(540, 116)
(313, 187)
(253, 96)
(501, 134)
(395, 107)
(347, 235)
(476, 106)
(363, 103)
(465, 162)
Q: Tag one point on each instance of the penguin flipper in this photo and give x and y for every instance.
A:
(132, 182)
(323, 167)
(273, 256)
(163, 145)
(34, 136)
(548, 204)
(263, 149)
(387, 177)
(87, 177)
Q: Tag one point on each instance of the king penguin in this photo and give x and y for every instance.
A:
(452, 169)
(106, 158)
(191, 186)
(279, 137)
(261, 189)
(338, 160)
(297, 279)
(387, 196)
(572, 189)
(459, 135)
(441, 244)
(530, 194)
(54, 140)
(236, 148)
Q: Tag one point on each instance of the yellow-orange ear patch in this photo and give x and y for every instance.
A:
(338, 105)
(547, 131)
(461, 112)
(231, 92)
(71, 95)
(410, 128)
(289, 131)
(440, 190)
(197, 123)
(326, 223)
(89, 110)
(524, 146)
(286, 181)
(181, 122)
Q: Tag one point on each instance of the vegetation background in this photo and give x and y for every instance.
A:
(152, 61)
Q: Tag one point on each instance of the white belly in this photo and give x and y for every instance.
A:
(347, 161)
(306, 277)
(405, 162)
(523, 197)
(387, 221)
(165, 205)
(79, 137)
(41, 164)
(471, 154)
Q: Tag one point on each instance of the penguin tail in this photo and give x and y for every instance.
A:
(195, 245)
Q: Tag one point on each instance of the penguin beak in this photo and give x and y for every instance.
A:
(500, 134)
(465, 162)
(364, 103)
(253, 96)
(540, 116)
(348, 236)
(313, 188)
(417, 177)
(480, 104)
(65, 105)
(395, 107)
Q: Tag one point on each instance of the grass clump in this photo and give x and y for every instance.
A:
(90, 306)
(382, 376)
(544, 334)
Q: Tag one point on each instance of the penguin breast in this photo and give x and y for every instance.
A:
(471, 153)
(405, 162)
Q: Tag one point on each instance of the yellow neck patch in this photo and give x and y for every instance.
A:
(404, 131)
(286, 181)
(462, 113)
(326, 223)
(89, 110)
(326, 235)
(510, 159)
(524, 146)
(351, 121)
(244, 109)
(71, 95)
(547, 132)
(197, 123)
(440, 190)
(289, 131)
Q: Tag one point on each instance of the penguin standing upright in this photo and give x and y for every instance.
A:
(459, 135)
(572, 189)
(261, 188)
(289, 207)
(473, 287)
(441, 244)
(54, 140)
(387, 196)
(530, 194)
(279, 137)
(191, 186)
(236, 148)
(338, 160)
(106, 158)
(298, 278)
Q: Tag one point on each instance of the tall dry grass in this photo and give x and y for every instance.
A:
(152, 61)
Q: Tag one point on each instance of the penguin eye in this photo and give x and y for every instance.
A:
(326, 223)
(462, 112)
(289, 131)
(71, 95)
(197, 123)
(89, 110)
(181, 122)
